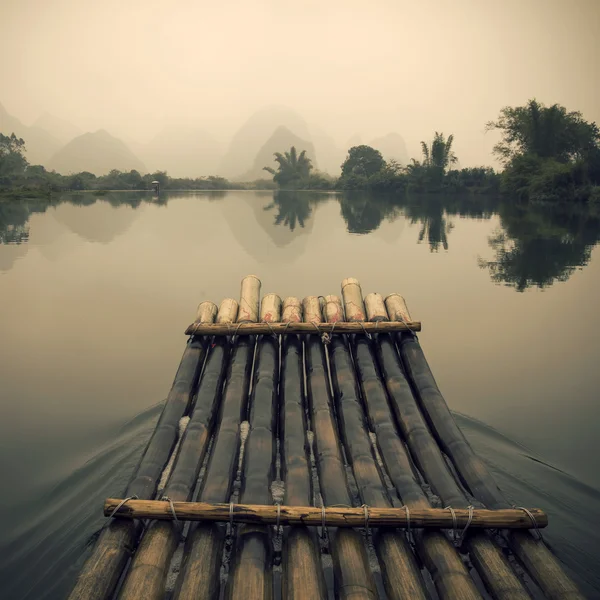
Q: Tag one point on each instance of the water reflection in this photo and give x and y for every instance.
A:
(364, 213)
(293, 208)
(537, 246)
(534, 246)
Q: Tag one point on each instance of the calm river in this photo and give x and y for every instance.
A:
(95, 294)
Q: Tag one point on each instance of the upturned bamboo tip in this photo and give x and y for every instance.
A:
(350, 281)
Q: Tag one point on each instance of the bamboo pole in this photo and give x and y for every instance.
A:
(488, 558)
(334, 312)
(375, 308)
(199, 575)
(353, 301)
(450, 575)
(299, 328)
(352, 573)
(302, 571)
(332, 516)
(206, 313)
(250, 573)
(228, 310)
(249, 299)
(291, 311)
(401, 574)
(540, 563)
(149, 567)
(312, 310)
(102, 570)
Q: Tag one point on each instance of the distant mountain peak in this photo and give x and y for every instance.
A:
(251, 136)
(281, 140)
(97, 152)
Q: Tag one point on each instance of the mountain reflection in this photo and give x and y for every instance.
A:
(534, 245)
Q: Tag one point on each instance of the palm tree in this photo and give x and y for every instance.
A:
(292, 167)
(439, 153)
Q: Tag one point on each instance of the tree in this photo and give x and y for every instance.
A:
(12, 161)
(546, 132)
(362, 161)
(292, 168)
(439, 154)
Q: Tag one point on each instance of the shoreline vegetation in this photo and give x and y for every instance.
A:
(548, 155)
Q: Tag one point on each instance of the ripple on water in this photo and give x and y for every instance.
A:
(43, 555)
(573, 507)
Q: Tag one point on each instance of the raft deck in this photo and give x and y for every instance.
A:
(319, 459)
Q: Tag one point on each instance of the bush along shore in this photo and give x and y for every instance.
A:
(548, 154)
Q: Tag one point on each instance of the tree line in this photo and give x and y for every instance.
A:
(548, 154)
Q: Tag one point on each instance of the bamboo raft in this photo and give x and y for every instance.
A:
(316, 435)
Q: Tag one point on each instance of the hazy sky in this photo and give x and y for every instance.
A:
(131, 66)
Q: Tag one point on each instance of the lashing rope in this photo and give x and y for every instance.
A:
(454, 525)
(469, 521)
(167, 499)
(114, 512)
(533, 521)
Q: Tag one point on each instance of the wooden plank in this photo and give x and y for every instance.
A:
(300, 328)
(541, 564)
(334, 516)
(103, 568)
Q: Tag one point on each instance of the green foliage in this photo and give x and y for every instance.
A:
(362, 161)
(12, 161)
(594, 197)
(480, 180)
(550, 154)
(547, 132)
(438, 155)
(293, 169)
(530, 177)
(391, 178)
(35, 180)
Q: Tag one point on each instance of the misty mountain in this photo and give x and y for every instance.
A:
(331, 156)
(62, 130)
(354, 140)
(392, 146)
(241, 155)
(182, 152)
(97, 152)
(40, 145)
(281, 140)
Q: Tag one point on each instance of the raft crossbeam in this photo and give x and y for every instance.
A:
(269, 514)
(305, 328)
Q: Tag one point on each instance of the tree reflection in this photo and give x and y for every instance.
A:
(364, 212)
(14, 219)
(294, 208)
(539, 245)
(430, 212)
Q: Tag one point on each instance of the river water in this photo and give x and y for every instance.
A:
(95, 293)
